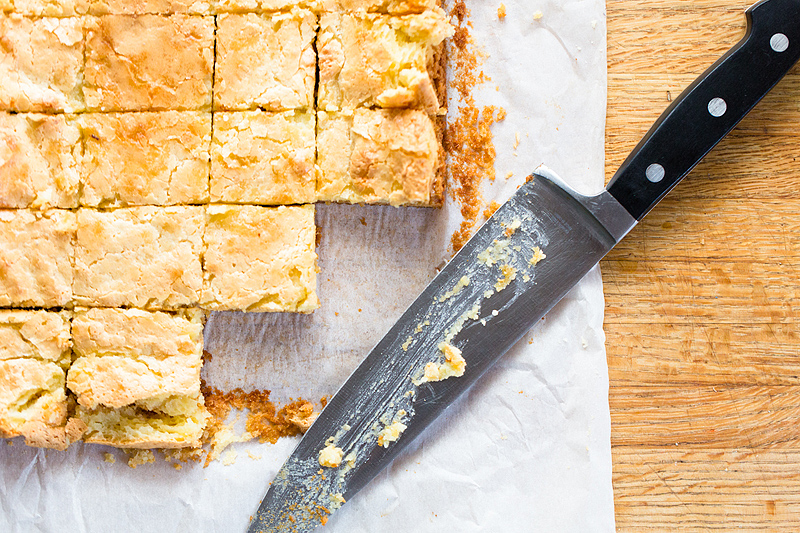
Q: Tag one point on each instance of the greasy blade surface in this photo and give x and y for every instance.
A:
(485, 299)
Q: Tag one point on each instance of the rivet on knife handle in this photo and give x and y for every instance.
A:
(710, 107)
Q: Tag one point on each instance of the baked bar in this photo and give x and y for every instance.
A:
(392, 7)
(375, 60)
(260, 259)
(34, 352)
(36, 253)
(39, 157)
(41, 64)
(265, 61)
(379, 156)
(148, 7)
(145, 257)
(145, 158)
(149, 62)
(263, 158)
(124, 356)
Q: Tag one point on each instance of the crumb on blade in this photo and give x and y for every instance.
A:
(454, 365)
(330, 456)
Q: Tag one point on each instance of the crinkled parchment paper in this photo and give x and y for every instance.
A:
(526, 450)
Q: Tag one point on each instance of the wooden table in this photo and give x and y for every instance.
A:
(702, 299)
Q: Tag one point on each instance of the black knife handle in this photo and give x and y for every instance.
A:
(711, 107)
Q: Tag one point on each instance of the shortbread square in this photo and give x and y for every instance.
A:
(148, 7)
(375, 60)
(263, 158)
(41, 64)
(260, 259)
(34, 353)
(145, 257)
(39, 160)
(379, 156)
(149, 62)
(36, 254)
(147, 158)
(129, 356)
(265, 61)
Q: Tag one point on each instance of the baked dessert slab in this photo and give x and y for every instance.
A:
(41, 335)
(265, 61)
(39, 160)
(125, 356)
(149, 62)
(379, 156)
(145, 158)
(260, 259)
(146, 257)
(375, 60)
(41, 64)
(263, 158)
(392, 7)
(36, 255)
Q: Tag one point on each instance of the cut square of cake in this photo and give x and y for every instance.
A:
(147, 158)
(136, 377)
(36, 255)
(265, 61)
(263, 158)
(145, 257)
(375, 60)
(260, 259)
(41, 64)
(149, 62)
(34, 353)
(39, 160)
(379, 156)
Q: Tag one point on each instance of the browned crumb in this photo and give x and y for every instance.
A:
(490, 210)
(318, 236)
(469, 136)
(501, 11)
(207, 357)
(363, 221)
(140, 457)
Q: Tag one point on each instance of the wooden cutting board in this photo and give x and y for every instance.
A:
(703, 298)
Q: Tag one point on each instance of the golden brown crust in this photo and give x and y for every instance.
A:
(148, 62)
(392, 7)
(262, 6)
(378, 156)
(41, 61)
(39, 157)
(152, 7)
(36, 251)
(145, 158)
(265, 61)
(260, 259)
(263, 158)
(369, 60)
(145, 257)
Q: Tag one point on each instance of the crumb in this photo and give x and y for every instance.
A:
(109, 458)
(538, 256)
(509, 175)
(229, 457)
(490, 210)
(516, 141)
(501, 11)
(330, 456)
(538, 15)
(141, 457)
(177, 466)
(363, 221)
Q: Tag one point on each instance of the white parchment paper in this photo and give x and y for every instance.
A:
(527, 449)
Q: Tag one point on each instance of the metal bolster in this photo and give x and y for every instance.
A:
(604, 207)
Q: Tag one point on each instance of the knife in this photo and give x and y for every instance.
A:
(521, 262)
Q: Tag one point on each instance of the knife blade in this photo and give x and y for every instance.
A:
(532, 251)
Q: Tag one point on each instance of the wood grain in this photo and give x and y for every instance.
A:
(703, 298)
